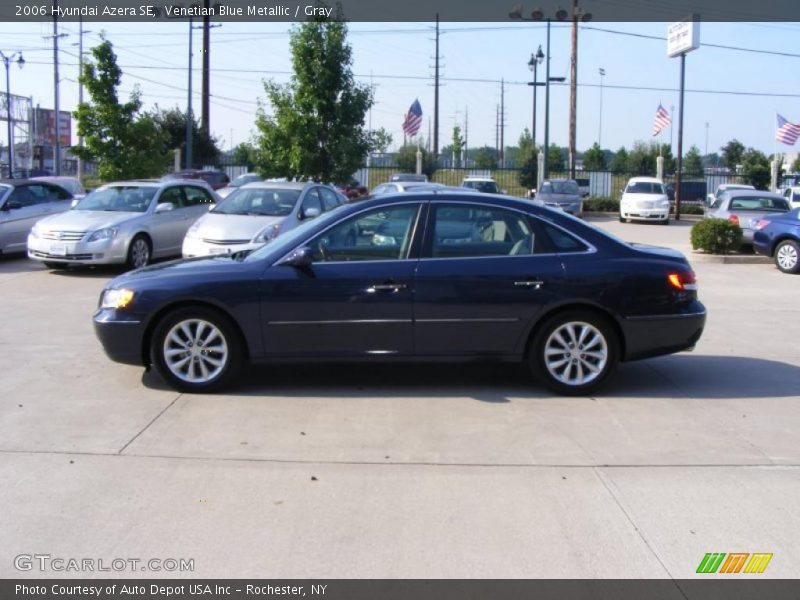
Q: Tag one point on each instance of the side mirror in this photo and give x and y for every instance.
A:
(300, 258)
(309, 213)
(504, 191)
(165, 207)
(12, 205)
(74, 203)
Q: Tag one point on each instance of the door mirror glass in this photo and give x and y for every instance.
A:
(74, 203)
(165, 207)
(309, 213)
(301, 257)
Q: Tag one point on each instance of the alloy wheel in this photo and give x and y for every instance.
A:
(786, 256)
(195, 351)
(140, 253)
(576, 353)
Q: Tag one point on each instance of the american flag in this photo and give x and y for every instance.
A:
(662, 120)
(413, 119)
(787, 133)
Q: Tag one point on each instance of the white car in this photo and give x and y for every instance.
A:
(644, 199)
(486, 185)
(792, 195)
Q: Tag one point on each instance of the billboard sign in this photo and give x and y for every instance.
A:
(683, 36)
(46, 128)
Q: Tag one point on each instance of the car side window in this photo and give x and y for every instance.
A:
(174, 195)
(471, 231)
(547, 188)
(329, 199)
(196, 195)
(561, 241)
(25, 196)
(55, 192)
(379, 234)
(312, 200)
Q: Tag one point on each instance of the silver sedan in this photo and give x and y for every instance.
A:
(128, 222)
(745, 208)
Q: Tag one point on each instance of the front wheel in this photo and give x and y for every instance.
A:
(665, 221)
(787, 256)
(574, 352)
(196, 349)
(138, 253)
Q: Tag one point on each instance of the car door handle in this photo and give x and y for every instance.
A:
(530, 283)
(386, 287)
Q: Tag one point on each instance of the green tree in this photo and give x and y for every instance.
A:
(693, 162)
(756, 168)
(594, 159)
(125, 142)
(457, 146)
(526, 161)
(407, 160)
(316, 130)
(245, 155)
(382, 139)
(796, 165)
(172, 122)
(485, 158)
(642, 158)
(555, 159)
(732, 154)
(619, 164)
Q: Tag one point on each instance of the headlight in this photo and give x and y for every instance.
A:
(104, 234)
(116, 298)
(270, 233)
(192, 233)
(663, 203)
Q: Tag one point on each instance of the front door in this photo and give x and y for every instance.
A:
(356, 297)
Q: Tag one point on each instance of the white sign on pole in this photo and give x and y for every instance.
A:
(683, 37)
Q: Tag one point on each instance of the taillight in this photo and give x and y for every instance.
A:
(734, 219)
(762, 223)
(683, 281)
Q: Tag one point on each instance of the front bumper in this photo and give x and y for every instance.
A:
(197, 247)
(662, 334)
(120, 335)
(101, 252)
(644, 214)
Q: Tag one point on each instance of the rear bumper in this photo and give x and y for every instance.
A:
(662, 334)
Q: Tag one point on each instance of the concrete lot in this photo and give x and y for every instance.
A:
(405, 471)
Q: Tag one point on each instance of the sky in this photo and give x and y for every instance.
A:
(397, 58)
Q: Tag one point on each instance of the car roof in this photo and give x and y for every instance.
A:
(760, 193)
(559, 180)
(478, 178)
(284, 185)
(644, 180)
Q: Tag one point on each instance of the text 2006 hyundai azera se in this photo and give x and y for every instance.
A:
(432, 276)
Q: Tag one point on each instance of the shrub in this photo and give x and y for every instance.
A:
(601, 205)
(691, 209)
(716, 236)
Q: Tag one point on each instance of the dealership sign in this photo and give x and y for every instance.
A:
(45, 133)
(683, 36)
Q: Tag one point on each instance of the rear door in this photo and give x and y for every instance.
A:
(483, 276)
(168, 228)
(30, 203)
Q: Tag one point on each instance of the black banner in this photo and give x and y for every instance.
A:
(734, 588)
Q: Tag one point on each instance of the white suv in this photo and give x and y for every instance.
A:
(644, 199)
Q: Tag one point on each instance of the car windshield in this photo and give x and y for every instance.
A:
(242, 179)
(759, 204)
(563, 187)
(487, 187)
(644, 187)
(118, 198)
(271, 202)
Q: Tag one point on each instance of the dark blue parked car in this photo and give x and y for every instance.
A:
(429, 276)
(778, 236)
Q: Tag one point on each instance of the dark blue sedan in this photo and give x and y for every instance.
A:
(448, 276)
(778, 236)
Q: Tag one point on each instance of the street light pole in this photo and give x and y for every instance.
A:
(600, 129)
(7, 60)
(533, 63)
(189, 117)
(546, 169)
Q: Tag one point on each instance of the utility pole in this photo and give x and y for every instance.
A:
(436, 97)
(706, 152)
(189, 114)
(80, 89)
(573, 89)
(57, 149)
(497, 130)
(502, 122)
(204, 117)
(466, 135)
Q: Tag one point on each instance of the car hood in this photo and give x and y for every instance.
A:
(640, 197)
(219, 226)
(227, 190)
(193, 268)
(87, 220)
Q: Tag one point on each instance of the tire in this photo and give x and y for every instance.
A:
(56, 266)
(139, 252)
(787, 256)
(178, 352)
(665, 221)
(621, 219)
(568, 371)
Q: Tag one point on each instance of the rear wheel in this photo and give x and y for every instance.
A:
(196, 349)
(574, 352)
(787, 256)
(138, 252)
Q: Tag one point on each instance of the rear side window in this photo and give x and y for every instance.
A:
(560, 241)
(195, 196)
(759, 204)
(473, 231)
(329, 199)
